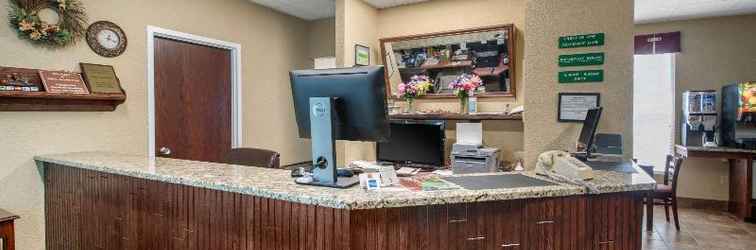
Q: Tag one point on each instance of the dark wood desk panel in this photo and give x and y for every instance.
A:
(741, 174)
(93, 210)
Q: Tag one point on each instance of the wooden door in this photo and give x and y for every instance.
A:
(192, 101)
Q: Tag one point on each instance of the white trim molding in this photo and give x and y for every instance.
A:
(236, 80)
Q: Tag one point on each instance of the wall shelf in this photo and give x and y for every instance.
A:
(43, 101)
(484, 116)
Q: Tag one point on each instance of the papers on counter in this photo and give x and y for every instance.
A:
(406, 171)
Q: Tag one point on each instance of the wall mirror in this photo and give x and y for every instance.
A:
(486, 52)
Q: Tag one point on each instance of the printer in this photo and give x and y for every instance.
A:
(468, 155)
(467, 159)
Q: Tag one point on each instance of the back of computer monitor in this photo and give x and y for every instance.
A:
(346, 104)
(360, 96)
(590, 125)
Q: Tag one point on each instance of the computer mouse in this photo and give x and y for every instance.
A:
(304, 180)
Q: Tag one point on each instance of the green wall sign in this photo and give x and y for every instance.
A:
(581, 76)
(581, 59)
(586, 40)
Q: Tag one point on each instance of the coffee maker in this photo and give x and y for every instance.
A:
(738, 123)
(699, 124)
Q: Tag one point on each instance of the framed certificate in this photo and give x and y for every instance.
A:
(574, 106)
(63, 82)
(101, 79)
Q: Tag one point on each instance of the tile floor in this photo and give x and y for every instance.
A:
(700, 230)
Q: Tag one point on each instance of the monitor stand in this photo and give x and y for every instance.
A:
(322, 117)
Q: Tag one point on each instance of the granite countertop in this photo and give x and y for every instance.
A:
(613, 182)
(277, 183)
(716, 149)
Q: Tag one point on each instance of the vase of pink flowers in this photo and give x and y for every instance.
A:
(418, 86)
(464, 87)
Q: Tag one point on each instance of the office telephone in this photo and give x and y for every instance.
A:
(563, 165)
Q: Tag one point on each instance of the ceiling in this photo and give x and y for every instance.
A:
(305, 9)
(317, 9)
(646, 11)
(649, 11)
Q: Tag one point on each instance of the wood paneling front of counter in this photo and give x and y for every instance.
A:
(93, 210)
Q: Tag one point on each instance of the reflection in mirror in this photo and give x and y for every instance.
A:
(486, 52)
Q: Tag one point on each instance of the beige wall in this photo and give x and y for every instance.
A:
(715, 52)
(356, 23)
(322, 38)
(271, 46)
(545, 21)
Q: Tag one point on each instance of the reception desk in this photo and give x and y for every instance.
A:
(117, 201)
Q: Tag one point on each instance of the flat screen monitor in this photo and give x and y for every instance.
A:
(420, 143)
(360, 94)
(590, 124)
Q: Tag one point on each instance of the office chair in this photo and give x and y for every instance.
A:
(254, 157)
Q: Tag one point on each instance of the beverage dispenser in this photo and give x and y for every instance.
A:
(738, 123)
(699, 118)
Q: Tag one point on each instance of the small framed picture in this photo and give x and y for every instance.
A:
(361, 55)
(574, 106)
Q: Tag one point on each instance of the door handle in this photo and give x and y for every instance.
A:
(165, 151)
(510, 245)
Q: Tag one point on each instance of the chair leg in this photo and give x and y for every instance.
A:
(674, 213)
(666, 209)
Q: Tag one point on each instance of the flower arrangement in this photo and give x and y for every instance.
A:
(24, 18)
(419, 85)
(464, 87)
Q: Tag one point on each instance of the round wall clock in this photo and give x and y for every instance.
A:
(106, 39)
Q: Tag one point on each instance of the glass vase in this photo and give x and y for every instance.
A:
(410, 108)
(463, 108)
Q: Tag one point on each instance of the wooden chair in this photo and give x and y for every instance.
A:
(254, 157)
(666, 193)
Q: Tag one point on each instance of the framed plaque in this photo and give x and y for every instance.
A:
(574, 106)
(63, 82)
(361, 55)
(101, 79)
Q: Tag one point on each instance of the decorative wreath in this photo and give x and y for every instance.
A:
(71, 27)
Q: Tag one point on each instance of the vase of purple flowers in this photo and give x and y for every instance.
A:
(464, 87)
(418, 86)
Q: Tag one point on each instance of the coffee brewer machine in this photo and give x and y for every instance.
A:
(739, 115)
(699, 118)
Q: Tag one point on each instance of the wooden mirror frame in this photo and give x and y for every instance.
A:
(510, 50)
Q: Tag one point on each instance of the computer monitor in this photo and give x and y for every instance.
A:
(414, 143)
(344, 104)
(590, 124)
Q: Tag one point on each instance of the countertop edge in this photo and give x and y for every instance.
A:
(198, 184)
(358, 203)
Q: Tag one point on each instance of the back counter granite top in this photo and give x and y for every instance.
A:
(277, 183)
